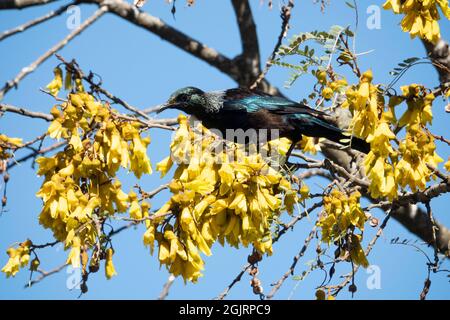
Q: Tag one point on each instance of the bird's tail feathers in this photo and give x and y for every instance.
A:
(322, 128)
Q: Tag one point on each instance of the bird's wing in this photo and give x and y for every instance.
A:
(254, 101)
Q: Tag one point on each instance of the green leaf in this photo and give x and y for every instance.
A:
(350, 5)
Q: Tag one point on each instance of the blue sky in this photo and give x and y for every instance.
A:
(143, 70)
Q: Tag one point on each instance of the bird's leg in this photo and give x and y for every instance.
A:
(288, 153)
(290, 166)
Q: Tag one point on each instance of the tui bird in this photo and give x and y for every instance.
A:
(242, 108)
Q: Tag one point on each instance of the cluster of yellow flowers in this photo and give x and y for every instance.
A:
(386, 167)
(417, 150)
(379, 162)
(215, 198)
(80, 188)
(18, 258)
(366, 104)
(70, 81)
(341, 217)
(372, 122)
(421, 16)
(329, 86)
(7, 144)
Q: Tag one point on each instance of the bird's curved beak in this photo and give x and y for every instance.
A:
(167, 105)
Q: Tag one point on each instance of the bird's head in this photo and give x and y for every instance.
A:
(185, 99)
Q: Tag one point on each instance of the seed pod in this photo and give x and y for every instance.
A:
(254, 257)
(320, 294)
(83, 287)
(352, 288)
(373, 222)
(254, 271)
(258, 290)
(34, 264)
(93, 268)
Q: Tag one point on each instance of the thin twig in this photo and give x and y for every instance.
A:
(433, 235)
(355, 268)
(36, 153)
(235, 280)
(286, 275)
(275, 239)
(27, 70)
(165, 291)
(45, 274)
(29, 24)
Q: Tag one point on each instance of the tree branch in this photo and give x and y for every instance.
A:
(165, 291)
(34, 22)
(249, 60)
(170, 34)
(440, 56)
(25, 112)
(20, 4)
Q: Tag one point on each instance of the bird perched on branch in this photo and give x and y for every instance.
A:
(248, 109)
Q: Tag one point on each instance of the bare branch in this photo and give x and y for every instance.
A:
(45, 274)
(20, 4)
(235, 280)
(34, 22)
(165, 291)
(25, 112)
(27, 70)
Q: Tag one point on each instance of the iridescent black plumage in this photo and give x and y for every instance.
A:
(247, 109)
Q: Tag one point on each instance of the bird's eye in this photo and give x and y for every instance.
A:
(183, 98)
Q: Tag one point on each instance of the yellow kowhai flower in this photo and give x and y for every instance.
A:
(135, 208)
(308, 144)
(421, 16)
(75, 253)
(366, 105)
(419, 105)
(56, 84)
(327, 93)
(379, 169)
(7, 144)
(417, 150)
(447, 165)
(110, 271)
